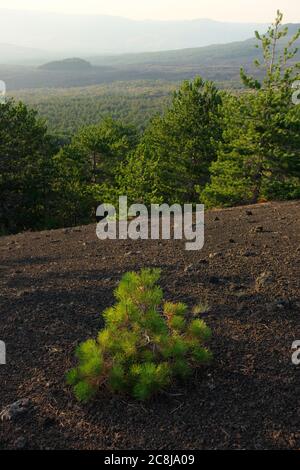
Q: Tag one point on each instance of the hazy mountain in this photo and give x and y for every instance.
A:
(77, 35)
(239, 52)
(12, 54)
(220, 63)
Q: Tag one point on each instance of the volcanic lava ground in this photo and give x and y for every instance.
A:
(55, 285)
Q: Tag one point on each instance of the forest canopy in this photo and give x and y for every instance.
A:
(202, 145)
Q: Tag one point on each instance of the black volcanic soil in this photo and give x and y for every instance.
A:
(54, 286)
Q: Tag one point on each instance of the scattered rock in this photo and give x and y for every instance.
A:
(14, 410)
(21, 293)
(189, 268)
(49, 422)
(215, 255)
(258, 229)
(20, 443)
(284, 304)
(249, 254)
(236, 287)
(215, 280)
(264, 279)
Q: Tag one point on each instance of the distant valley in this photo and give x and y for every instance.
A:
(220, 63)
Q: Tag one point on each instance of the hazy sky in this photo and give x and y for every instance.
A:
(224, 10)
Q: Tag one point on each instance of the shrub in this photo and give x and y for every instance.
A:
(145, 345)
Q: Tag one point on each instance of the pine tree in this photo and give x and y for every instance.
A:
(145, 344)
(260, 157)
(87, 169)
(26, 152)
(177, 148)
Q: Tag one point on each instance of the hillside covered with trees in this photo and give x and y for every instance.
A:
(205, 145)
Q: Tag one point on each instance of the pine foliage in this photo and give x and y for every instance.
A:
(259, 157)
(177, 148)
(145, 344)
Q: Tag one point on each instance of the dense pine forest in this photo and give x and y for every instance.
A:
(67, 110)
(199, 143)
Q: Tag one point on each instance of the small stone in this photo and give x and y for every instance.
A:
(12, 411)
(236, 287)
(49, 422)
(215, 280)
(20, 443)
(249, 213)
(249, 253)
(20, 293)
(264, 279)
(214, 255)
(284, 304)
(188, 268)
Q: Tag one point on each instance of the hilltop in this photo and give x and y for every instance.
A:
(67, 65)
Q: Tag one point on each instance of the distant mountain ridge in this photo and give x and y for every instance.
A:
(241, 52)
(87, 35)
(220, 63)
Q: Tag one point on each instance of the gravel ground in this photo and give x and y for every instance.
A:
(55, 284)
